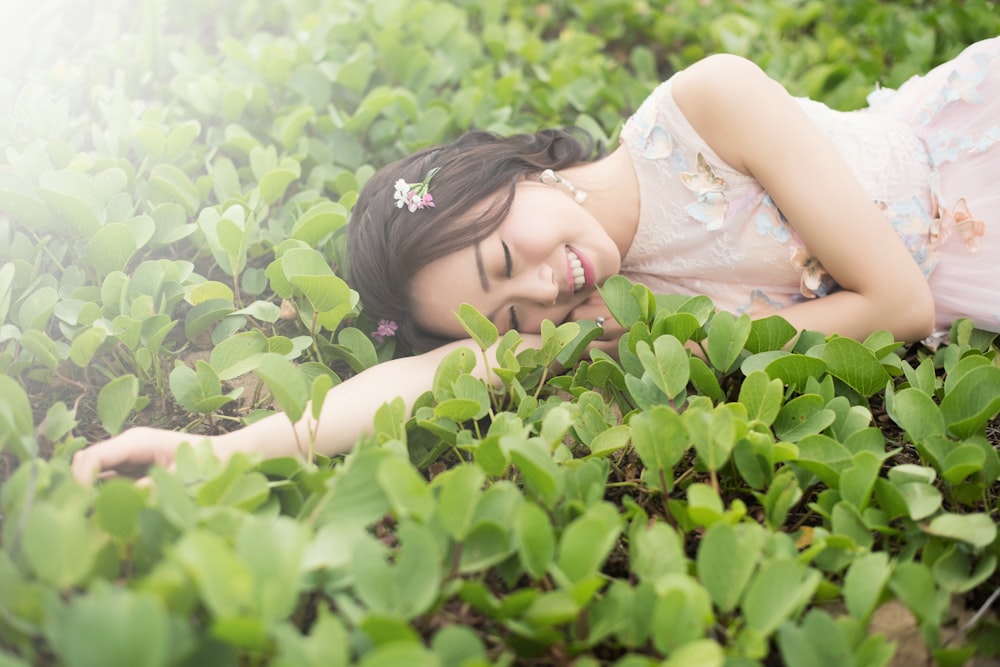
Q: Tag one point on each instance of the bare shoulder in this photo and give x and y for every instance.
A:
(724, 95)
(717, 75)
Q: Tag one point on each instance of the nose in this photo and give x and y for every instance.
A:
(539, 286)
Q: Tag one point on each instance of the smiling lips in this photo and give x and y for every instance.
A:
(577, 272)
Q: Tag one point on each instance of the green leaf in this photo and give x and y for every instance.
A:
(458, 409)
(666, 364)
(660, 440)
(972, 401)
(238, 354)
(73, 197)
(113, 626)
(170, 184)
(727, 335)
(536, 540)
(273, 548)
(858, 480)
(287, 384)
(327, 644)
(116, 401)
(979, 530)
(856, 365)
(682, 614)
(274, 184)
(964, 460)
(479, 328)
(783, 493)
(204, 315)
(780, 589)
(762, 397)
(803, 416)
(610, 440)
(393, 654)
(723, 575)
(792, 369)
(487, 544)
(655, 550)
(769, 333)
(58, 544)
(617, 294)
(916, 413)
(234, 486)
(224, 581)
(922, 499)
(713, 432)
(198, 390)
(541, 475)
(321, 385)
(111, 248)
(460, 490)
(587, 541)
(118, 506)
(406, 490)
(318, 222)
(866, 577)
(86, 344)
(16, 420)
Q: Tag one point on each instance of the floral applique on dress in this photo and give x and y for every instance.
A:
(960, 219)
(958, 86)
(815, 281)
(770, 221)
(760, 303)
(912, 223)
(710, 208)
(659, 144)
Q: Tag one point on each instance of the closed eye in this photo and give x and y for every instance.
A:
(508, 271)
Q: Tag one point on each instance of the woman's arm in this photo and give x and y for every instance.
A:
(753, 124)
(347, 414)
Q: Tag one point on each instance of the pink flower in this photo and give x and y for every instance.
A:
(386, 329)
(414, 196)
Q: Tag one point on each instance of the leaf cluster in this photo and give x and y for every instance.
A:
(175, 186)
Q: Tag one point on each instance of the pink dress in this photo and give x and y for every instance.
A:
(928, 155)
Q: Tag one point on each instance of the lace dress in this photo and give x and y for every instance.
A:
(928, 154)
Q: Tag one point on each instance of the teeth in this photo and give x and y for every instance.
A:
(577, 267)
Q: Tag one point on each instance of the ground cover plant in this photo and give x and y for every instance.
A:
(174, 186)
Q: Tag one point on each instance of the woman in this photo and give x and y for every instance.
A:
(723, 185)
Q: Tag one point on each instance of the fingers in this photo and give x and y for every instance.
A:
(595, 309)
(128, 453)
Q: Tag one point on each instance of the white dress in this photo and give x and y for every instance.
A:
(928, 154)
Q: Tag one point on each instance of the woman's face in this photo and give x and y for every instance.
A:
(545, 260)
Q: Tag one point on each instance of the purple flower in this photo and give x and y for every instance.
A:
(386, 329)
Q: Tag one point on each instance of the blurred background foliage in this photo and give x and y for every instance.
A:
(173, 170)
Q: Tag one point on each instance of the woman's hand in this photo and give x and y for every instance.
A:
(129, 454)
(595, 309)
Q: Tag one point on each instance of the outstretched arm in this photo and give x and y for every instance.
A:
(347, 414)
(753, 124)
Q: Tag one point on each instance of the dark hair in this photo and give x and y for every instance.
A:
(388, 245)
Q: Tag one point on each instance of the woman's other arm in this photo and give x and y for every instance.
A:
(757, 127)
(347, 415)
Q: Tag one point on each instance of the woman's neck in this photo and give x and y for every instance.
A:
(612, 194)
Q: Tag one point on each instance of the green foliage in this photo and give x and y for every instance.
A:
(174, 191)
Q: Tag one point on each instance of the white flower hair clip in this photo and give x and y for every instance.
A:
(415, 196)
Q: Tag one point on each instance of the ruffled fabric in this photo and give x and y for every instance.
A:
(955, 110)
(928, 154)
